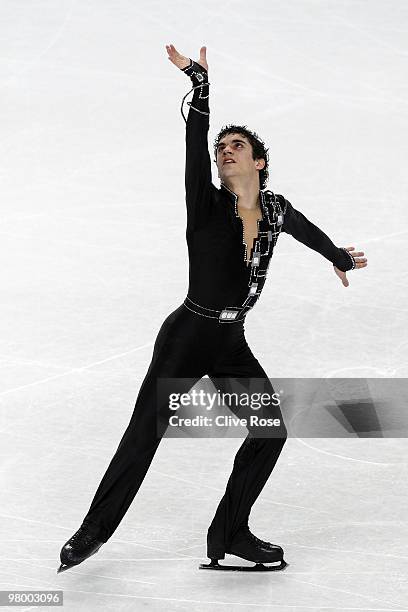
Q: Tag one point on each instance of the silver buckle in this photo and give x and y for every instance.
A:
(228, 314)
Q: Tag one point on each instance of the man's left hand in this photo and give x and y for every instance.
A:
(361, 262)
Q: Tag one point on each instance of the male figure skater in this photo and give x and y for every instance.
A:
(231, 234)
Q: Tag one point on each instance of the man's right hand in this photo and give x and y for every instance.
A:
(181, 61)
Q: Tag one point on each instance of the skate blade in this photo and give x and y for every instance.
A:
(258, 567)
(63, 568)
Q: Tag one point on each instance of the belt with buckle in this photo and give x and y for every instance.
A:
(230, 314)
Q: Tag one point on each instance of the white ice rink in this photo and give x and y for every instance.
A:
(93, 258)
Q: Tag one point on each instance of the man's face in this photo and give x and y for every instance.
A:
(238, 149)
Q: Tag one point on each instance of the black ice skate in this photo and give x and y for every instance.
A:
(83, 544)
(262, 543)
(247, 546)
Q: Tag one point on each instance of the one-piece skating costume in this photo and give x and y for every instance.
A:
(204, 336)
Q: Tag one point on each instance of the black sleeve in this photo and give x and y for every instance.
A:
(198, 163)
(296, 224)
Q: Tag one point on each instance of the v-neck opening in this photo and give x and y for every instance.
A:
(247, 259)
(249, 254)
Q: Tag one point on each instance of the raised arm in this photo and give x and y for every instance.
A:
(296, 224)
(198, 163)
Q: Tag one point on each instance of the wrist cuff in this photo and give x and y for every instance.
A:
(197, 73)
(353, 261)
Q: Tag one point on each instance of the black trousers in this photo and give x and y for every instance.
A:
(190, 346)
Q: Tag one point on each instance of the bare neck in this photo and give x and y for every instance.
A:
(247, 192)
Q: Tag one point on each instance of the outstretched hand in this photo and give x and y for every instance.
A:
(361, 262)
(181, 61)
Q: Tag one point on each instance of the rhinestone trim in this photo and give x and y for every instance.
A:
(351, 257)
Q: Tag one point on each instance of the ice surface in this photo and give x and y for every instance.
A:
(92, 180)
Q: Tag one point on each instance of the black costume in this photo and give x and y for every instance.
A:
(205, 334)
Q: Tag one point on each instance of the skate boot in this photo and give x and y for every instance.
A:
(247, 546)
(83, 544)
(263, 543)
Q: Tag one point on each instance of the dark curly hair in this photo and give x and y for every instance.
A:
(259, 151)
